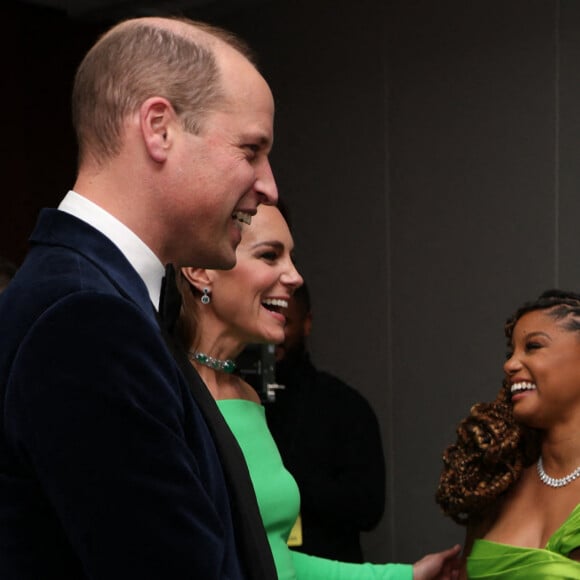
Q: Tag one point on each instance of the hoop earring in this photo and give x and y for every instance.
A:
(206, 298)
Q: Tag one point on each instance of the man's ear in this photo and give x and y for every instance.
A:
(198, 277)
(157, 120)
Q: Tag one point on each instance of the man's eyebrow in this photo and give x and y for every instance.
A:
(260, 137)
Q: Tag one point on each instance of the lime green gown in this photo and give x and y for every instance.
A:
(494, 561)
(279, 503)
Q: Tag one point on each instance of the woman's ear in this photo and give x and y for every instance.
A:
(197, 277)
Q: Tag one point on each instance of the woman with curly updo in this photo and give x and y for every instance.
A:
(513, 475)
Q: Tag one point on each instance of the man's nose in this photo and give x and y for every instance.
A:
(266, 184)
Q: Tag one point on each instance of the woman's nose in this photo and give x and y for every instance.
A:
(292, 277)
(512, 365)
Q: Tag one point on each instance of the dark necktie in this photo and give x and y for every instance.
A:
(169, 300)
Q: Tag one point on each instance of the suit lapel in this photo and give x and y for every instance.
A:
(249, 527)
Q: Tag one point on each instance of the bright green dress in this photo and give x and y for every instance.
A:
(279, 503)
(491, 560)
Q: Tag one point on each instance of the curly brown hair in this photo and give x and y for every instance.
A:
(492, 449)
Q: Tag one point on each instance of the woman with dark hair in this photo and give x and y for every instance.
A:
(223, 312)
(513, 475)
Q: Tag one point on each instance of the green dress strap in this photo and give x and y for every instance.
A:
(494, 561)
(567, 537)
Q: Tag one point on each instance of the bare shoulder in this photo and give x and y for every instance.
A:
(479, 528)
(235, 387)
(473, 531)
(249, 393)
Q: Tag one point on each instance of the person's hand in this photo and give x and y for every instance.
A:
(439, 566)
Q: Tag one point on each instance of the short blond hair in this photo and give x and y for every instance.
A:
(138, 59)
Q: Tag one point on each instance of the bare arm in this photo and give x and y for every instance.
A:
(443, 565)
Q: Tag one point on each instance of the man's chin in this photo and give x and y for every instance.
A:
(225, 261)
(226, 264)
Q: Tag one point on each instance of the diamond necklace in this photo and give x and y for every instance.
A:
(224, 366)
(553, 481)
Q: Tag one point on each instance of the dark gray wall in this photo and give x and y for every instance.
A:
(429, 154)
(474, 216)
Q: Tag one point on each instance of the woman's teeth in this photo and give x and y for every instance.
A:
(522, 386)
(277, 302)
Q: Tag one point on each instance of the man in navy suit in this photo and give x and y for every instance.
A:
(113, 460)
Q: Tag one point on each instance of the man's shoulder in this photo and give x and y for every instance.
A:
(48, 275)
(329, 382)
(53, 277)
(68, 256)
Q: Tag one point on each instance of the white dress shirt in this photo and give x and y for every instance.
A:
(137, 252)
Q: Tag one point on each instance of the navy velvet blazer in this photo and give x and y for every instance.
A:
(109, 457)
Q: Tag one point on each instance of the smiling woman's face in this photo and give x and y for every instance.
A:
(544, 371)
(251, 299)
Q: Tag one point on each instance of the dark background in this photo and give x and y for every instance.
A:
(429, 154)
